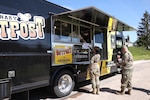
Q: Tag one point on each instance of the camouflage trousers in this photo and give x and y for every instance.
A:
(126, 80)
(95, 74)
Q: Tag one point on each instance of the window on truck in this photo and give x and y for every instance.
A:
(119, 39)
(85, 33)
(99, 38)
(113, 41)
(62, 31)
(67, 32)
(119, 43)
(75, 35)
(57, 30)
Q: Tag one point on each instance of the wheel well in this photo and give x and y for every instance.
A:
(66, 68)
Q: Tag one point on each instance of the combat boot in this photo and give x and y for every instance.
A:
(129, 91)
(97, 91)
(122, 92)
(94, 91)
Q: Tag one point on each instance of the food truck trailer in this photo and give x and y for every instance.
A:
(41, 45)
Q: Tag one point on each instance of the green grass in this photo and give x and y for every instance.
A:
(140, 53)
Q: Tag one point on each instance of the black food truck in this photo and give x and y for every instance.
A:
(40, 45)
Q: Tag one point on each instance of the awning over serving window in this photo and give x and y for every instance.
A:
(93, 16)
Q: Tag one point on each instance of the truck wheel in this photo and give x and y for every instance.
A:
(63, 83)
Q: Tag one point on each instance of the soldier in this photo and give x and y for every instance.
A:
(95, 70)
(127, 69)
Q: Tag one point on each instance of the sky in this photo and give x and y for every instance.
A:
(127, 11)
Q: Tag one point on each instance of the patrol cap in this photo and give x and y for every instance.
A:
(124, 47)
(97, 49)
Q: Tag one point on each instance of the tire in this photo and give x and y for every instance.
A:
(63, 83)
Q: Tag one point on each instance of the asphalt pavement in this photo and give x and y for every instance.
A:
(108, 87)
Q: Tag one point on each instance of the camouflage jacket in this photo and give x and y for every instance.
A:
(127, 60)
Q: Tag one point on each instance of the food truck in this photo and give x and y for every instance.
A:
(41, 45)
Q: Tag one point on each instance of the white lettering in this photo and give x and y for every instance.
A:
(12, 28)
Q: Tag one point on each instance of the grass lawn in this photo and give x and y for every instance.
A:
(140, 53)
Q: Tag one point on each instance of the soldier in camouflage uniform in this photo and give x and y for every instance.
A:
(95, 70)
(127, 69)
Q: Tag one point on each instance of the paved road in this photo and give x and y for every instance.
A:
(108, 87)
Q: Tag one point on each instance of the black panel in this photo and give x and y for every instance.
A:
(27, 69)
(35, 8)
(28, 58)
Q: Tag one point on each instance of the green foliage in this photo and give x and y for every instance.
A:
(143, 31)
(140, 53)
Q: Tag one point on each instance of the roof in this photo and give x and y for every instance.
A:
(36, 7)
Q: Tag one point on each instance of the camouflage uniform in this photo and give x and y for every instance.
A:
(95, 73)
(127, 69)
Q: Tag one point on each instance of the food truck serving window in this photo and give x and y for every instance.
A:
(62, 31)
(67, 23)
(66, 31)
(71, 26)
(99, 37)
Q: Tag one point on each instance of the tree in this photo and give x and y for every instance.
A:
(143, 31)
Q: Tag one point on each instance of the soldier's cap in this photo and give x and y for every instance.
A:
(125, 47)
(97, 49)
